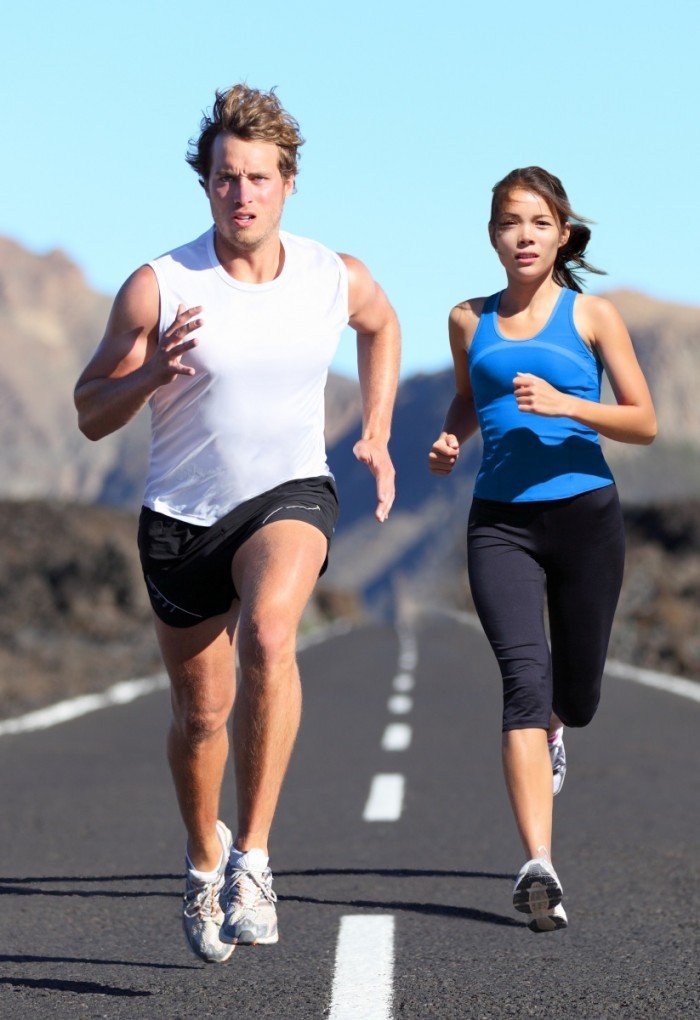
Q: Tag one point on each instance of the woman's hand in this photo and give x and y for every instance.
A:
(443, 454)
(535, 396)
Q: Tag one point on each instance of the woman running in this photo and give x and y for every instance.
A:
(545, 516)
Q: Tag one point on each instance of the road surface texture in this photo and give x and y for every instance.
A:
(394, 853)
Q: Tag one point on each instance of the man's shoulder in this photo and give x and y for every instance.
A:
(199, 247)
(307, 247)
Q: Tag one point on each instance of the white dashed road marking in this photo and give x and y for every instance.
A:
(403, 682)
(364, 968)
(397, 737)
(400, 704)
(385, 801)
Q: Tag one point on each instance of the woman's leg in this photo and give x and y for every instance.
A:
(507, 584)
(583, 587)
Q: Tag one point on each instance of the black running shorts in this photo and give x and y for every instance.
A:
(187, 568)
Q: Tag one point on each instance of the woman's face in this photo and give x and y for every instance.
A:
(527, 235)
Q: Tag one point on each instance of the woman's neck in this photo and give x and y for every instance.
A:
(520, 295)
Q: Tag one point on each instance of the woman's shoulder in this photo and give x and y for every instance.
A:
(597, 312)
(465, 316)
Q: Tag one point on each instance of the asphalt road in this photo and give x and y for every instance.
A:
(92, 857)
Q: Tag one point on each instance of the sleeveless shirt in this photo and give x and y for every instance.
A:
(529, 457)
(252, 415)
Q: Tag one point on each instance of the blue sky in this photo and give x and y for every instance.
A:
(411, 114)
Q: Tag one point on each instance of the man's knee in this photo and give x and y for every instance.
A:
(199, 714)
(268, 638)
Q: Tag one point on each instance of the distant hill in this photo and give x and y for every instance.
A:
(51, 321)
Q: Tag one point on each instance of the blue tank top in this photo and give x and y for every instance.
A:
(529, 457)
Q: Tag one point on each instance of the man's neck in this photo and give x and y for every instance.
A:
(257, 265)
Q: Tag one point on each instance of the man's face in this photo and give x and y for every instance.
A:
(246, 192)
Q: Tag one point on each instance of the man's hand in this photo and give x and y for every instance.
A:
(376, 456)
(443, 454)
(176, 341)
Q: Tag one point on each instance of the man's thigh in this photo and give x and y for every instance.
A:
(276, 569)
(200, 661)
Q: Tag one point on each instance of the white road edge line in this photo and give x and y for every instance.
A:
(63, 711)
(651, 678)
(385, 800)
(128, 690)
(614, 668)
(363, 982)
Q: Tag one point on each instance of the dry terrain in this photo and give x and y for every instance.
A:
(74, 616)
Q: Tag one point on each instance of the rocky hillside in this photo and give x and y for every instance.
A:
(51, 321)
(73, 610)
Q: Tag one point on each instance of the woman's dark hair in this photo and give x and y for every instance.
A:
(570, 259)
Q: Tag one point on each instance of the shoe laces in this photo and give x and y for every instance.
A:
(201, 898)
(248, 887)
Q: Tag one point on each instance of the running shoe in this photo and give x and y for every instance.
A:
(557, 756)
(537, 888)
(551, 920)
(249, 901)
(202, 915)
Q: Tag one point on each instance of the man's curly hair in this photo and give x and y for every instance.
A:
(252, 115)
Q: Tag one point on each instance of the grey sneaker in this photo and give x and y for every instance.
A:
(201, 912)
(537, 888)
(551, 920)
(557, 755)
(248, 901)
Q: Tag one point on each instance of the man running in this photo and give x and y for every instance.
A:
(229, 339)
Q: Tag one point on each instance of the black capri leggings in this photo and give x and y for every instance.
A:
(574, 550)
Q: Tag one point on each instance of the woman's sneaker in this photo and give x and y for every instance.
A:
(537, 888)
(202, 915)
(557, 756)
(551, 920)
(249, 901)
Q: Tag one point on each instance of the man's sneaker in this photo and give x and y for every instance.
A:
(249, 901)
(201, 913)
(557, 756)
(550, 920)
(537, 888)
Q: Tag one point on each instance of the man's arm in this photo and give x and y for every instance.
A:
(378, 357)
(130, 364)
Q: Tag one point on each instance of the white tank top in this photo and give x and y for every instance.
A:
(252, 416)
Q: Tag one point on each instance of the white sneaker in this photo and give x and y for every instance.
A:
(537, 888)
(550, 920)
(249, 901)
(557, 756)
(202, 915)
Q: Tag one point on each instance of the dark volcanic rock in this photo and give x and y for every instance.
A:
(74, 616)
